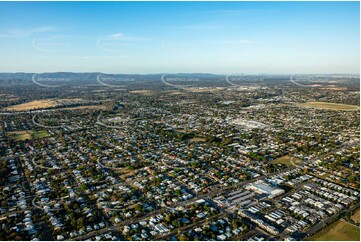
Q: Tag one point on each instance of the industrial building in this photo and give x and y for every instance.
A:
(263, 188)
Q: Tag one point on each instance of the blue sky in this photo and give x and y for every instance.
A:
(163, 37)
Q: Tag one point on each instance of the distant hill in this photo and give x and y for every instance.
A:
(22, 77)
(87, 76)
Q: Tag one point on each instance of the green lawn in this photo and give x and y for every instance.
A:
(40, 134)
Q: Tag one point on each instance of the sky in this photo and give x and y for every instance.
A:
(174, 37)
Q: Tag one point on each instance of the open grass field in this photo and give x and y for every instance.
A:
(27, 134)
(339, 231)
(102, 107)
(47, 103)
(329, 106)
(175, 93)
(356, 216)
(333, 87)
(203, 89)
(142, 91)
(197, 139)
(36, 104)
(20, 135)
(287, 161)
(40, 134)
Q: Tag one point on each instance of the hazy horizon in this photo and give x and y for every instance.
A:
(161, 73)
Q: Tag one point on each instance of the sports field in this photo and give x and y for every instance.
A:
(339, 231)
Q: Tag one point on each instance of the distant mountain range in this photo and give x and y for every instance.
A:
(88, 76)
(92, 76)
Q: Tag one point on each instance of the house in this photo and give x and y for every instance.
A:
(60, 237)
(201, 215)
(185, 221)
(161, 228)
(221, 237)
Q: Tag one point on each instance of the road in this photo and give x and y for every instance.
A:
(187, 227)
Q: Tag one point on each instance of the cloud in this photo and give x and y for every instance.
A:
(123, 37)
(14, 33)
(117, 35)
(225, 13)
(199, 27)
(117, 42)
(50, 44)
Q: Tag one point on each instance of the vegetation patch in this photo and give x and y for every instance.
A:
(20, 135)
(27, 134)
(198, 139)
(329, 106)
(85, 107)
(339, 231)
(40, 134)
(356, 216)
(36, 104)
(287, 161)
(141, 91)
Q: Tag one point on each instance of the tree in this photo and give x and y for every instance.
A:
(235, 224)
(138, 207)
(183, 238)
(168, 218)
